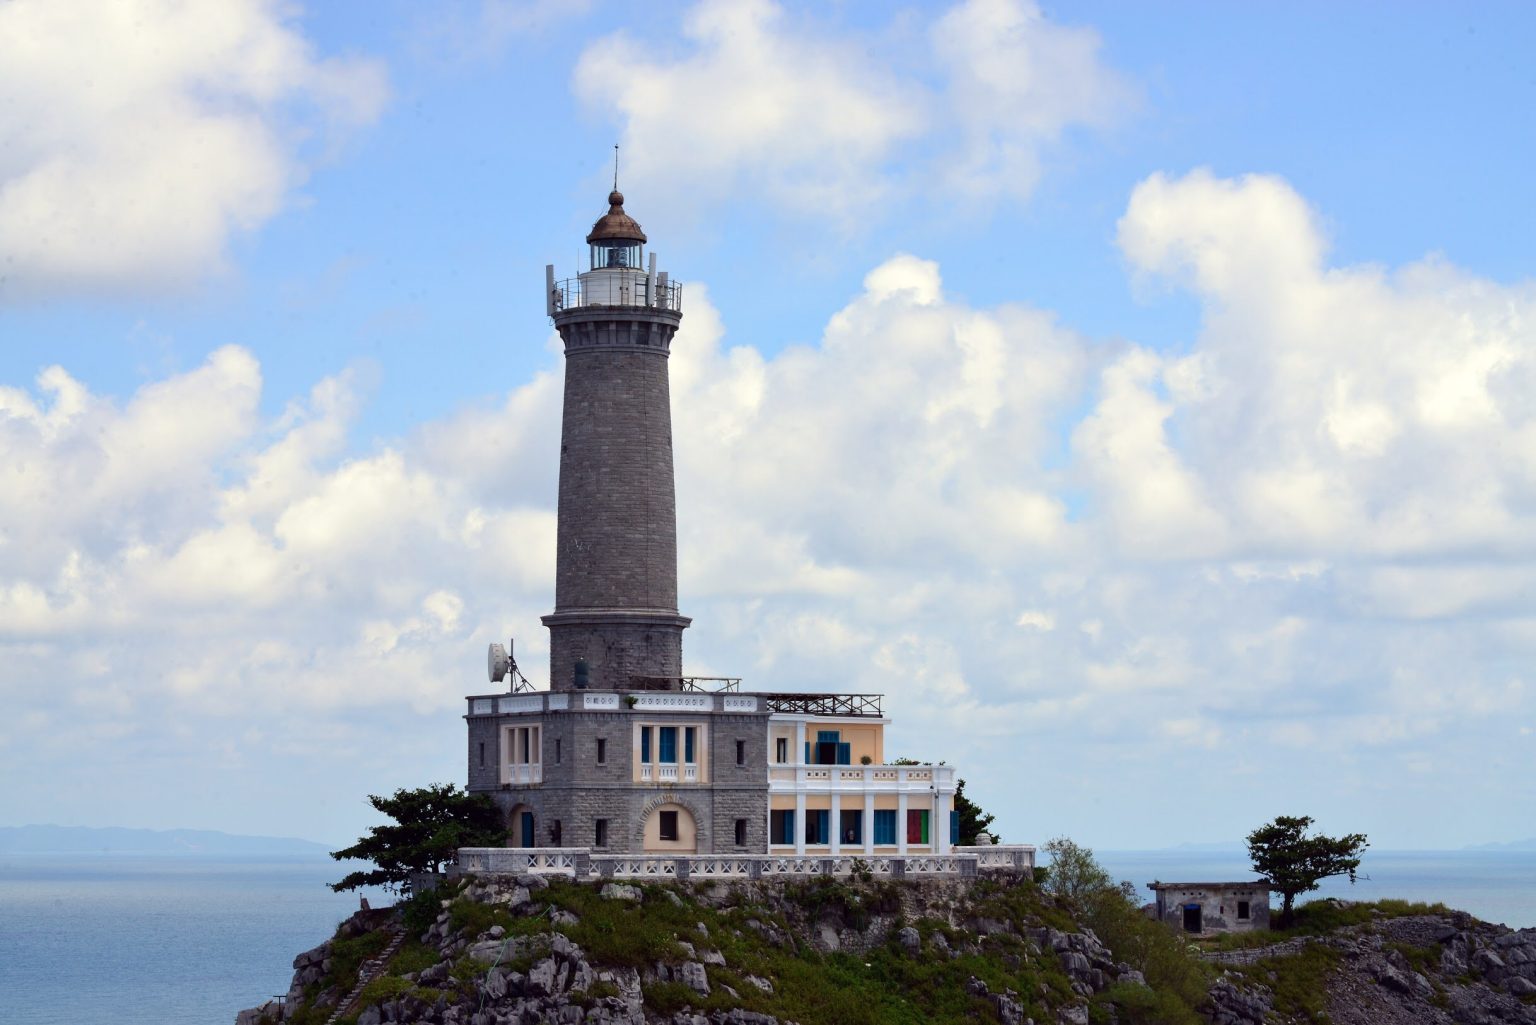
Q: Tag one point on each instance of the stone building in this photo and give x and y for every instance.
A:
(624, 753)
(1213, 907)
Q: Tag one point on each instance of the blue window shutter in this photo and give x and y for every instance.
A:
(808, 753)
(828, 736)
(645, 745)
(688, 745)
(668, 745)
(844, 753)
(954, 827)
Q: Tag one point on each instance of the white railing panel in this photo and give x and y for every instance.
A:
(675, 702)
(524, 774)
(567, 861)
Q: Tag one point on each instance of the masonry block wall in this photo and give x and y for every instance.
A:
(616, 548)
(587, 774)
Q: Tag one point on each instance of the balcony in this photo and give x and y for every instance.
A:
(525, 774)
(861, 778)
(616, 288)
(668, 773)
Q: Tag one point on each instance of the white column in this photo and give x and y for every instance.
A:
(800, 819)
(834, 824)
(869, 816)
(901, 814)
(799, 758)
(940, 832)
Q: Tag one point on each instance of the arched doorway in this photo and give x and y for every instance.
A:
(671, 829)
(520, 827)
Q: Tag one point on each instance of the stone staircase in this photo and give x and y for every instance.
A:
(369, 971)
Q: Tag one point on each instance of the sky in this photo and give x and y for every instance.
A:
(1141, 396)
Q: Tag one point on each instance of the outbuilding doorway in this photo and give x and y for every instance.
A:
(1192, 918)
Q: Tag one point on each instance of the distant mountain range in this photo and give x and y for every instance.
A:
(1222, 846)
(1528, 844)
(87, 840)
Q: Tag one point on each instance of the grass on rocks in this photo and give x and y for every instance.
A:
(887, 984)
(1320, 917)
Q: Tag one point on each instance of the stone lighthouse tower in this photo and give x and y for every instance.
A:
(616, 562)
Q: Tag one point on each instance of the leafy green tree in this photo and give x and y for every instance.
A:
(973, 821)
(1295, 863)
(1074, 874)
(431, 824)
(1114, 914)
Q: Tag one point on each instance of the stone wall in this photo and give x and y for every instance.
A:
(577, 790)
(616, 549)
(1218, 905)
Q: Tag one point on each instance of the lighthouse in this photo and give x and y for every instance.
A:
(615, 616)
(624, 757)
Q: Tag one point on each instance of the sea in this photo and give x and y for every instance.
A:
(189, 939)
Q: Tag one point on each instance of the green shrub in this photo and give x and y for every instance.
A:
(418, 913)
(1139, 1005)
(413, 957)
(385, 987)
(1299, 981)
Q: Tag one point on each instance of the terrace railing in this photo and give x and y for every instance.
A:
(583, 863)
(629, 289)
(702, 684)
(824, 704)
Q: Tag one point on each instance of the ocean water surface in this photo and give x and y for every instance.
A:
(157, 939)
(192, 939)
(1496, 886)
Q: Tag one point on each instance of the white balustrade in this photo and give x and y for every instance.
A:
(675, 702)
(690, 774)
(566, 861)
(852, 779)
(524, 774)
(1008, 857)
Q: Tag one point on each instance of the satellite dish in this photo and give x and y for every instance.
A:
(497, 663)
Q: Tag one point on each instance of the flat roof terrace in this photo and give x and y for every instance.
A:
(838, 706)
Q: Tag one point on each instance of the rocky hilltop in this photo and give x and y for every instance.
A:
(1412, 970)
(497, 951)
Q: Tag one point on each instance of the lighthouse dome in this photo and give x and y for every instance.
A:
(616, 225)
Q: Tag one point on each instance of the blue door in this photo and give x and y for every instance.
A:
(527, 829)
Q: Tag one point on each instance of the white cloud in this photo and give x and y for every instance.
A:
(1339, 408)
(1016, 83)
(805, 118)
(819, 121)
(139, 136)
(1043, 550)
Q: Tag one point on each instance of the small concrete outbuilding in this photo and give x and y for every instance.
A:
(1213, 907)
